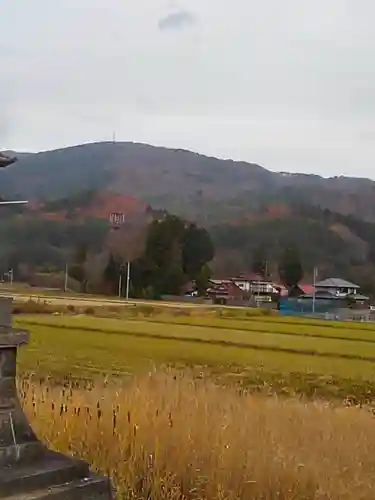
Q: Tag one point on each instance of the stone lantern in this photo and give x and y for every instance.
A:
(28, 469)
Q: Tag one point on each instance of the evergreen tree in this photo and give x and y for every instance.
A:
(77, 270)
(197, 250)
(202, 279)
(290, 266)
(112, 275)
(176, 251)
(259, 261)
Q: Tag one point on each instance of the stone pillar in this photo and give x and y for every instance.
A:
(28, 470)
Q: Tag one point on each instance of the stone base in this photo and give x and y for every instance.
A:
(28, 470)
(54, 476)
(92, 488)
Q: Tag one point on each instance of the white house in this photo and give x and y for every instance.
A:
(255, 284)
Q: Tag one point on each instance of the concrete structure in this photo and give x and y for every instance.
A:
(28, 469)
(5, 161)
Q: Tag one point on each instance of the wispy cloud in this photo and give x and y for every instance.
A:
(294, 90)
(176, 20)
(10, 51)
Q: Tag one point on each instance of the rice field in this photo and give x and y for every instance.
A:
(295, 356)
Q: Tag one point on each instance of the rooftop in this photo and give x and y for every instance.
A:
(307, 288)
(358, 297)
(336, 283)
(251, 277)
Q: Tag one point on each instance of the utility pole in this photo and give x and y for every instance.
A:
(120, 284)
(127, 280)
(10, 275)
(314, 292)
(66, 277)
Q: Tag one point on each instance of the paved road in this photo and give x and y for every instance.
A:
(90, 301)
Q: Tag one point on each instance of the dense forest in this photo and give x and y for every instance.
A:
(162, 247)
(170, 253)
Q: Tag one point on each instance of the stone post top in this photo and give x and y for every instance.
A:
(6, 312)
(11, 337)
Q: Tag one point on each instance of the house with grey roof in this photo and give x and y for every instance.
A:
(334, 296)
(341, 289)
(337, 287)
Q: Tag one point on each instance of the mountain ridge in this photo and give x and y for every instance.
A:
(207, 156)
(73, 191)
(185, 182)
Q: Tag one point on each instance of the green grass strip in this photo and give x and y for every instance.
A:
(222, 343)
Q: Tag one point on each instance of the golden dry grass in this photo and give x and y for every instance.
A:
(166, 436)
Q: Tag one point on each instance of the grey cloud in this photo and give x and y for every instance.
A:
(177, 20)
(288, 84)
(5, 126)
(5, 114)
(11, 52)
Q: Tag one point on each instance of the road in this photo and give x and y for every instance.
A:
(89, 301)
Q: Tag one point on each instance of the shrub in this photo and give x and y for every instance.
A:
(184, 311)
(34, 307)
(146, 310)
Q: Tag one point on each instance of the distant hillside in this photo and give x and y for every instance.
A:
(189, 184)
(73, 191)
(87, 205)
(338, 244)
(44, 236)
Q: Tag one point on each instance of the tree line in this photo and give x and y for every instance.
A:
(174, 252)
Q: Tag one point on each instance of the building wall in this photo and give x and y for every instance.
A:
(244, 285)
(294, 306)
(335, 290)
(255, 286)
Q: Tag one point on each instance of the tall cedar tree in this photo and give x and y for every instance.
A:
(77, 270)
(259, 261)
(112, 274)
(175, 252)
(290, 267)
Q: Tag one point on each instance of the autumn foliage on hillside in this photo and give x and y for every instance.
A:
(88, 205)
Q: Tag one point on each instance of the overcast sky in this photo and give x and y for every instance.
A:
(289, 84)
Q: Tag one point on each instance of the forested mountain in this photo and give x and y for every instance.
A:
(180, 181)
(244, 206)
